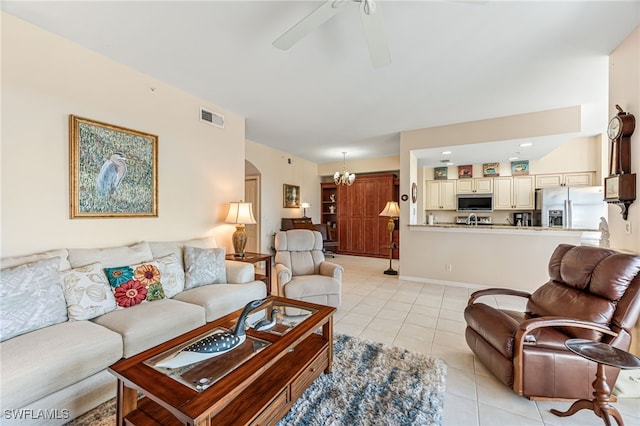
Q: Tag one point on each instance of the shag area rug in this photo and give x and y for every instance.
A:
(370, 384)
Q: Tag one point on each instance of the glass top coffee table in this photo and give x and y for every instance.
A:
(257, 381)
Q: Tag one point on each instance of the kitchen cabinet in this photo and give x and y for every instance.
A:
(475, 186)
(440, 195)
(513, 193)
(565, 179)
(361, 229)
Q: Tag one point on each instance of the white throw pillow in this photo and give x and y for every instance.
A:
(31, 298)
(204, 266)
(87, 292)
(172, 275)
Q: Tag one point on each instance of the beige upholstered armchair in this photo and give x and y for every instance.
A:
(302, 271)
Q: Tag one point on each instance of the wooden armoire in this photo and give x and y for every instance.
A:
(361, 229)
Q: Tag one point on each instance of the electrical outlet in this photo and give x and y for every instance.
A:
(449, 268)
(627, 227)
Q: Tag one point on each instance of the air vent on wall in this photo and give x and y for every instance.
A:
(210, 117)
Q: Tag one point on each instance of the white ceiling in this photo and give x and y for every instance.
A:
(452, 61)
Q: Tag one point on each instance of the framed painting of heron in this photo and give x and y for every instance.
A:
(113, 170)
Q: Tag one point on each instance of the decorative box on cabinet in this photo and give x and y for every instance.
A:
(475, 186)
(513, 193)
(440, 195)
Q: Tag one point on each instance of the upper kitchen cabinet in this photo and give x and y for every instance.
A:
(440, 195)
(565, 179)
(475, 186)
(513, 193)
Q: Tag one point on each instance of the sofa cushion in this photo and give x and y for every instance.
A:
(111, 256)
(146, 325)
(163, 248)
(222, 299)
(135, 284)
(31, 297)
(304, 286)
(204, 267)
(62, 254)
(46, 360)
(87, 292)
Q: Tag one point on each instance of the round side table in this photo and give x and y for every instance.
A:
(602, 354)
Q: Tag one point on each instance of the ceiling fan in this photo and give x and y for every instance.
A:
(372, 23)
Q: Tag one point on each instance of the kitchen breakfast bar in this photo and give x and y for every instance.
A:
(484, 255)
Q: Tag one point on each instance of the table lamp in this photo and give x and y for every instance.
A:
(240, 214)
(392, 211)
(305, 206)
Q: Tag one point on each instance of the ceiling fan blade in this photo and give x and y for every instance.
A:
(309, 23)
(373, 24)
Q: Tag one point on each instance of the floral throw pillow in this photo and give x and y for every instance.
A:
(133, 285)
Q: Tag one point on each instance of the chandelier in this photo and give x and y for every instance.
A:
(344, 177)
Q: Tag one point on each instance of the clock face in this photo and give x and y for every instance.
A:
(615, 128)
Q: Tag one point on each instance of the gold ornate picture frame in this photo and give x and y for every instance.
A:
(290, 196)
(113, 170)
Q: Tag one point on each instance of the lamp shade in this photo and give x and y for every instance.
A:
(240, 213)
(391, 209)
(305, 205)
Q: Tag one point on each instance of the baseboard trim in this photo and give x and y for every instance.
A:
(442, 282)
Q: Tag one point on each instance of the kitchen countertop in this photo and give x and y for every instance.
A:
(499, 227)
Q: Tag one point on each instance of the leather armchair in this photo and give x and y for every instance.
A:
(301, 270)
(328, 243)
(592, 293)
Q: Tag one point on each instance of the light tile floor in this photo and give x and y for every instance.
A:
(428, 318)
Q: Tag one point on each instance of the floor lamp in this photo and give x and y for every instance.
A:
(392, 211)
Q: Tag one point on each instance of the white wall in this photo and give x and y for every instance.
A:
(275, 170)
(624, 90)
(367, 165)
(44, 79)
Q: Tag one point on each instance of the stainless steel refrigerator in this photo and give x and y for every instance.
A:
(578, 207)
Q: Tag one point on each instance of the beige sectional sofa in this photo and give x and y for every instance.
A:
(56, 370)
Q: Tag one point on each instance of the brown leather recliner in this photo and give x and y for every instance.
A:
(593, 293)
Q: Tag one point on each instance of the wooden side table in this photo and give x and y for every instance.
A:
(254, 258)
(602, 354)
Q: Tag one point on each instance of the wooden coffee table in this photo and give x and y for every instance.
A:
(256, 383)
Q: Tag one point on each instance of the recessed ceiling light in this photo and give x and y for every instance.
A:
(526, 144)
(445, 152)
(513, 158)
(449, 163)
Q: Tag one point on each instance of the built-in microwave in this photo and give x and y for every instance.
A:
(474, 203)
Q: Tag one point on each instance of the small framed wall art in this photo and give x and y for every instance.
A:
(490, 169)
(465, 172)
(519, 168)
(290, 196)
(440, 173)
(113, 170)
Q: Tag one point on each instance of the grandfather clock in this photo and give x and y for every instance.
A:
(620, 185)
